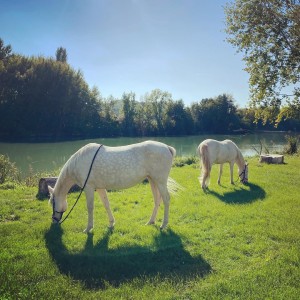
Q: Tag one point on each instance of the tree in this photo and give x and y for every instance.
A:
(61, 54)
(215, 115)
(40, 97)
(5, 51)
(156, 103)
(129, 113)
(267, 32)
(179, 120)
(109, 117)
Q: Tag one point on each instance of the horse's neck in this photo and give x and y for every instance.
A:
(64, 183)
(240, 161)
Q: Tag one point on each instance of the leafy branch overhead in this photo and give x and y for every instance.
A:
(268, 34)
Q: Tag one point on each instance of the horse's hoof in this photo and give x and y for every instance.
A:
(88, 230)
(111, 225)
(111, 228)
(150, 223)
(163, 226)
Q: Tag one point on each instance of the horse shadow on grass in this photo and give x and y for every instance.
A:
(96, 265)
(242, 195)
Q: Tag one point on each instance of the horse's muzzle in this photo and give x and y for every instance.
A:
(56, 220)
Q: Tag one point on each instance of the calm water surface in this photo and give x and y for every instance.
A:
(51, 156)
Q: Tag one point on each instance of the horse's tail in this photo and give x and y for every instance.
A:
(173, 186)
(172, 150)
(205, 161)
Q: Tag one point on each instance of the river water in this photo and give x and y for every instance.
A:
(52, 156)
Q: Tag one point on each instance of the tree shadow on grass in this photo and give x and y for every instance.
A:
(242, 196)
(97, 264)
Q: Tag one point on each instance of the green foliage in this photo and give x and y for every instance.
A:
(46, 99)
(42, 97)
(8, 170)
(234, 242)
(61, 55)
(129, 110)
(215, 115)
(5, 51)
(267, 33)
(9, 185)
(182, 161)
(292, 146)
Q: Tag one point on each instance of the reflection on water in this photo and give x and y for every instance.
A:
(52, 156)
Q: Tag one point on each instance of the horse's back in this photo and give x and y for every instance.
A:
(124, 166)
(218, 151)
(211, 143)
(148, 149)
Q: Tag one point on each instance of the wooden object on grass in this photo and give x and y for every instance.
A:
(43, 187)
(271, 158)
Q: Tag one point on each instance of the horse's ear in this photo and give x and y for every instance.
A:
(50, 189)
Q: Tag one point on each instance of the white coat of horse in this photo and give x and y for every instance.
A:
(115, 168)
(214, 152)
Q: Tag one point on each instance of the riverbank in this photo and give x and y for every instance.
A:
(234, 242)
(41, 157)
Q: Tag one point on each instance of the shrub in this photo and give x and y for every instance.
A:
(8, 170)
(181, 161)
(292, 144)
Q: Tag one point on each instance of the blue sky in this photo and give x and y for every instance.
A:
(121, 46)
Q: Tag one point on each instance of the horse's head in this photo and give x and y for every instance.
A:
(244, 174)
(59, 205)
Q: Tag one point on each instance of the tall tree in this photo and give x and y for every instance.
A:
(109, 116)
(215, 115)
(156, 103)
(179, 120)
(267, 32)
(129, 113)
(5, 51)
(61, 54)
(40, 97)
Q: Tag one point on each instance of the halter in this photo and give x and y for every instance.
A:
(55, 211)
(243, 173)
(61, 212)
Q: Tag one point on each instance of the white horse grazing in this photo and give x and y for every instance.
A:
(115, 168)
(215, 152)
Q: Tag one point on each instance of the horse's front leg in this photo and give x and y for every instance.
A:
(220, 174)
(231, 172)
(104, 198)
(89, 193)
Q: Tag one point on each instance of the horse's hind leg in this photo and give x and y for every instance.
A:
(204, 179)
(163, 190)
(157, 201)
(104, 198)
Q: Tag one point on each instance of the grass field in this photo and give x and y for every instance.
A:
(234, 242)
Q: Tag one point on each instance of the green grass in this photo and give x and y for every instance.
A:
(234, 242)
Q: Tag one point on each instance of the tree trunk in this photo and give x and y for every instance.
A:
(43, 187)
(271, 158)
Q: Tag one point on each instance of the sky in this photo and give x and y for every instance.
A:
(123, 46)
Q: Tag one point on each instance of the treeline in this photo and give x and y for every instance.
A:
(45, 98)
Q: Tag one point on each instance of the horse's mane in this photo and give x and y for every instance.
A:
(240, 157)
(60, 183)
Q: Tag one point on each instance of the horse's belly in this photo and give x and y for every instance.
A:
(119, 178)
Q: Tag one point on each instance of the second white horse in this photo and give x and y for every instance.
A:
(214, 152)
